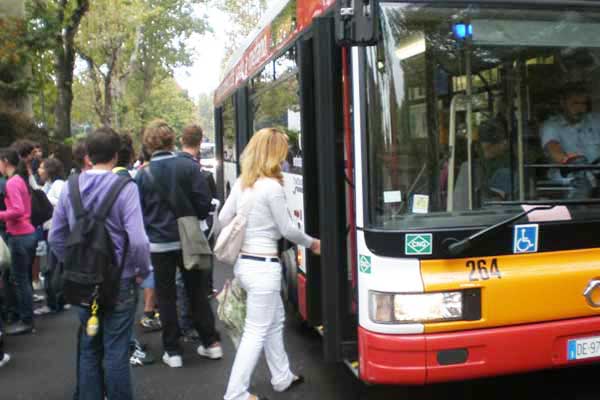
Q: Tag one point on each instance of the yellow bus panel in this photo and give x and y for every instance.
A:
(518, 289)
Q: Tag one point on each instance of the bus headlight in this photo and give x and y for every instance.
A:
(389, 308)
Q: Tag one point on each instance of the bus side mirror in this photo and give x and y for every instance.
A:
(357, 22)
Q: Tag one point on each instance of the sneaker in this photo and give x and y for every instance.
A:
(38, 298)
(151, 324)
(173, 361)
(139, 356)
(214, 352)
(42, 310)
(190, 335)
(19, 328)
(4, 360)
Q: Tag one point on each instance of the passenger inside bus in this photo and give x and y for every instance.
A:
(573, 137)
(494, 140)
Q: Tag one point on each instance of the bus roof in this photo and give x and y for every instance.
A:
(278, 27)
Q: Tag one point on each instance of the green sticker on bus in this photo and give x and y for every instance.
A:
(364, 264)
(418, 244)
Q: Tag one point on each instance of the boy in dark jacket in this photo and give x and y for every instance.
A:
(172, 187)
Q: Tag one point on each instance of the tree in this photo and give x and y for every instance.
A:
(206, 116)
(130, 47)
(245, 16)
(106, 38)
(62, 19)
(166, 101)
(168, 25)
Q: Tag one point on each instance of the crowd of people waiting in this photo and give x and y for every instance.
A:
(139, 202)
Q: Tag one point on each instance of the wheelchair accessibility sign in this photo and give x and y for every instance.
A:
(525, 238)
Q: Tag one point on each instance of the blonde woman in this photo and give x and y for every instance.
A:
(258, 268)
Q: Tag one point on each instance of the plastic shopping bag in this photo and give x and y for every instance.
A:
(232, 309)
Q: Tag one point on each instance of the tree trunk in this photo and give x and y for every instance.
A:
(64, 60)
(64, 101)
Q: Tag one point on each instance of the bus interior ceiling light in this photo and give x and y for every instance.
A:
(415, 307)
(412, 47)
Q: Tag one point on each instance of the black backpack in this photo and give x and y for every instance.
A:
(90, 269)
(41, 208)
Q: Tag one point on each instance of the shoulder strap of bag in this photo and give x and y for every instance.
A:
(111, 197)
(75, 195)
(245, 206)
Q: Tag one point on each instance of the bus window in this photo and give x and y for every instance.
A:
(479, 107)
(279, 106)
(229, 141)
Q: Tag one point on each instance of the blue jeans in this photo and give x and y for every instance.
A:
(103, 365)
(22, 251)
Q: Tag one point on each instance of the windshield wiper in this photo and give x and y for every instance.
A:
(459, 247)
(569, 202)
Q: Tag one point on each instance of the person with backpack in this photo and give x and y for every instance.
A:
(22, 240)
(41, 208)
(173, 188)
(98, 235)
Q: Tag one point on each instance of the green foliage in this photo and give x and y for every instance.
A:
(130, 49)
(244, 16)
(166, 101)
(16, 125)
(206, 117)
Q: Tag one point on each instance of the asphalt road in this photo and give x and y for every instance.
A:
(44, 363)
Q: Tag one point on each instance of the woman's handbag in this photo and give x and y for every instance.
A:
(5, 260)
(232, 309)
(230, 240)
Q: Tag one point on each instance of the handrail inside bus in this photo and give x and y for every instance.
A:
(456, 100)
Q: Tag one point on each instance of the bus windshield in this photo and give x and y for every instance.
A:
(469, 108)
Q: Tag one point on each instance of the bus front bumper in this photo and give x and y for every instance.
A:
(442, 357)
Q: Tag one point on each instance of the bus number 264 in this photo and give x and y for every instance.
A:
(482, 271)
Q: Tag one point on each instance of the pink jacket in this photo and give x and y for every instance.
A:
(18, 207)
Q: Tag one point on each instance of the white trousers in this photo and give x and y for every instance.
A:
(263, 329)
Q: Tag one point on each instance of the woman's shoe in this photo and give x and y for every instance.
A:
(255, 397)
(298, 380)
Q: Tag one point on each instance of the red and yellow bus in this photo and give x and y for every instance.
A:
(425, 151)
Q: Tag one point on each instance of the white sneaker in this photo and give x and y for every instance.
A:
(173, 361)
(42, 310)
(213, 352)
(5, 360)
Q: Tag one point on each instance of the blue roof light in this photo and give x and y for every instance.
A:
(462, 31)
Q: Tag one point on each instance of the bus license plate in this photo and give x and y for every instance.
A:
(580, 349)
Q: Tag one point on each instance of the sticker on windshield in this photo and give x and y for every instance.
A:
(418, 244)
(392, 196)
(525, 238)
(420, 204)
(364, 264)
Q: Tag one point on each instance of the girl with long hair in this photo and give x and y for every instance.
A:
(22, 240)
(258, 267)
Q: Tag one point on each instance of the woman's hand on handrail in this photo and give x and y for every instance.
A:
(315, 247)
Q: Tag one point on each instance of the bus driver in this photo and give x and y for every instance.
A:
(574, 135)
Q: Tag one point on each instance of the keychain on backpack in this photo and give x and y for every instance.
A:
(93, 324)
